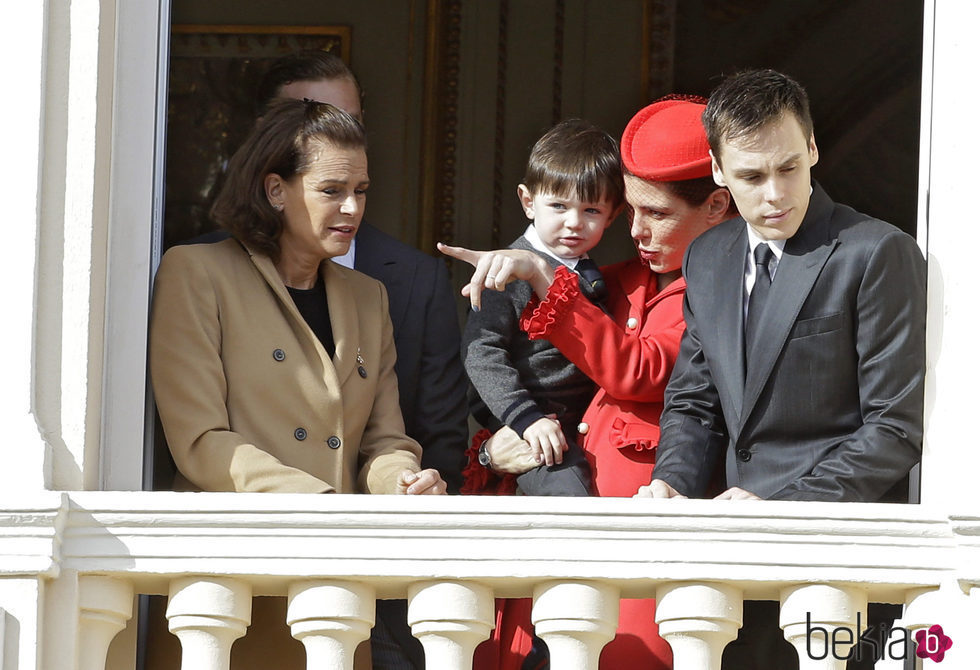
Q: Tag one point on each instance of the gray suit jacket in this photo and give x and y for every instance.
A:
(831, 408)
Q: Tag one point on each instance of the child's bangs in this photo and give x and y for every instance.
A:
(584, 182)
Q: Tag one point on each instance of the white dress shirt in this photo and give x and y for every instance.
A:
(347, 260)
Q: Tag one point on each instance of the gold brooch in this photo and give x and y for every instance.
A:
(360, 365)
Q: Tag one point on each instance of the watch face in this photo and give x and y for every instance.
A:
(484, 457)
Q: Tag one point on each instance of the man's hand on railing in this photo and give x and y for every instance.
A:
(658, 489)
(426, 482)
(735, 493)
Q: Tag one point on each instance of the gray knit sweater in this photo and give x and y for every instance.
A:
(520, 380)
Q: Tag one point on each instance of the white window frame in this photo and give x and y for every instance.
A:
(135, 223)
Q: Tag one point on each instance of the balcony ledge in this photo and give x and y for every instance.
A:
(508, 543)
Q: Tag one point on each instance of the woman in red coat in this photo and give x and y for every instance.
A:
(628, 350)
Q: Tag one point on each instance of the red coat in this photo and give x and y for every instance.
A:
(630, 356)
(629, 353)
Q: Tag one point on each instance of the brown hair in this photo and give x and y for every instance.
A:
(576, 157)
(280, 143)
(748, 100)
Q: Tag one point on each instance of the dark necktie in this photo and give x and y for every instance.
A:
(589, 271)
(760, 291)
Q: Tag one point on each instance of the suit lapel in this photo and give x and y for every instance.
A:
(729, 287)
(395, 273)
(804, 257)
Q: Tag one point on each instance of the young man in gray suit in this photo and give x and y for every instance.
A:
(800, 374)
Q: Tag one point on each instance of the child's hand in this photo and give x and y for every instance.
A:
(546, 440)
(495, 269)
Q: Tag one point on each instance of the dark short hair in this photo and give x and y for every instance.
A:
(280, 143)
(306, 65)
(748, 100)
(576, 157)
(693, 191)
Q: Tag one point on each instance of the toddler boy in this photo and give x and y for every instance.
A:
(572, 191)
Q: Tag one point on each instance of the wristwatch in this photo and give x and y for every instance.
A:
(483, 456)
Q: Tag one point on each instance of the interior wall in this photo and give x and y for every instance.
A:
(392, 84)
(599, 78)
(861, 63)
(520, 65)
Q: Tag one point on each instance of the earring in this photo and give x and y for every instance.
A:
(277, 207)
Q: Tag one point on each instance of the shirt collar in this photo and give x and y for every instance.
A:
(754, 241)
(777, 246)
(347, 260)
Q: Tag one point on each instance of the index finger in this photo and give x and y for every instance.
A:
(461, 253)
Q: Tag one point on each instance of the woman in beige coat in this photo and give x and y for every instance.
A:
(273, 368)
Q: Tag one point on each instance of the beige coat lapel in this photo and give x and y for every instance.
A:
(343, 320)
(331, 376)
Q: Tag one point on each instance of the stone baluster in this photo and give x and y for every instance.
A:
(450, 619)
(330, 619)
(926, 608)
(575, 619)
(208, 614)
(821, 621)
(698, 620)
(105, 605)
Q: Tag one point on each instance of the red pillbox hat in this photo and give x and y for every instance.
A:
(665, 141)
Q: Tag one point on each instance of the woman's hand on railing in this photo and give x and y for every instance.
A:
(495, 269)
(426, 482)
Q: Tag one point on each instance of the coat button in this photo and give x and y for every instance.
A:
(300, 434)
(333, 442)
(279, 355)
(631, 323)
(583, 428)
(744, 455)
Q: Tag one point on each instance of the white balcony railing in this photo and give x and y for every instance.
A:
(84, 555)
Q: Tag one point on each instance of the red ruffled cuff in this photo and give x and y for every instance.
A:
(637, 441)
(540, 316)
(478, 480)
